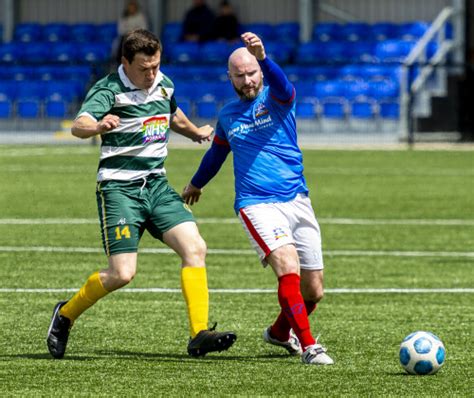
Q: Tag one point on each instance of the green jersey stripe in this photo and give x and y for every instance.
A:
(132, 163)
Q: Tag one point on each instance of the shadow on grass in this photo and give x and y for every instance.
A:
(150, 356)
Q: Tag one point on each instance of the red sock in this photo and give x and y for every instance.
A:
(280, 330)
(294, 308)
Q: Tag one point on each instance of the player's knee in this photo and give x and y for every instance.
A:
(195, 252)
(314, 295)
(122, 277)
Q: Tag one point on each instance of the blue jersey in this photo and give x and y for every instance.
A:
(268, 164)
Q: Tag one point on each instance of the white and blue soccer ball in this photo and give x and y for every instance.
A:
(422, 353)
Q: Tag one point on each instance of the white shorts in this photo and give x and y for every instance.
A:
(272, 225)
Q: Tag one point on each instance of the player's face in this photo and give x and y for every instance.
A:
(143, 69)
(247, 79)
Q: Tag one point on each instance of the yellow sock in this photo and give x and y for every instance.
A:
(196, 294)
(87, 296)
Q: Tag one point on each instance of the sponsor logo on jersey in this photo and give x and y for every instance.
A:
(164, 93)
(155, 129)
(260, 110)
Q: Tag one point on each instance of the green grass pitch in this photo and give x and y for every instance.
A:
(391, 219)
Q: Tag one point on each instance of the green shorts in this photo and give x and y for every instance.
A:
(128, 208)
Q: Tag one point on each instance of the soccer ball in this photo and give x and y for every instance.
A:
(422, 353)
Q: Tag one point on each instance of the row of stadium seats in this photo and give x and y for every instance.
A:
(211, 53)
(58, 52)
(32, 108)
(83, 73)
(335, 108)
(72, 90)
(288, 32)
(62, 32)
(315, 52)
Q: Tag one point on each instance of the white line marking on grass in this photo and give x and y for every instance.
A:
(333, 221)
(347, 253)
(253, 291)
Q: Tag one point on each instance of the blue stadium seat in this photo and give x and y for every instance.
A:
(389, 109)
(305, 89)
(62, 89)
(215, 52)
(94, 52)
(362, 51)
(306, 108)
(355, 31)
(287, 32)
(8, 89)
(27, 32)
(31, 89)
(34, 53)
(56, 108)
(206, 109)
(356, 89)
(384, 89)
(384, 30)
(381, 72)
(17, 72)
(83, 32)
(182, 53)
(28, 108)
(9, 53)
(297, 72)
(53, 32)
(393, 50)
(6, 107)
(363, 108)
(186, 105)
(326, 31)
(334, 108)
(280, 52)
(413, 30)
(106, 32)
(81, 73)
(351, 72)
(171, 32)
(321, 52)
(332, 88)
(261, 29)
(63, 52)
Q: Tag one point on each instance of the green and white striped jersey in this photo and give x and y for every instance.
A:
(138, 146)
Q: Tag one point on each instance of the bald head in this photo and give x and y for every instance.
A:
(245, 74)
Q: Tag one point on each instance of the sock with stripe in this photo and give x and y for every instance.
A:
(293, 307)
(87, 296)
(196, 294)
(280, 329)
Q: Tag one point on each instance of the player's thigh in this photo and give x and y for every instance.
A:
(307, 234)
(121, 217)
(266, 227)
(284, 260)
(187, 242)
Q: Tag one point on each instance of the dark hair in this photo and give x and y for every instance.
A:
(140, 41)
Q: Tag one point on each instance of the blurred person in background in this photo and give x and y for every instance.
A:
(271, 195)
(198, 22)
(133, 111)
(226, 24)
(132, 18)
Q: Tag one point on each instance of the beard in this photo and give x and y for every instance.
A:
(248, 94)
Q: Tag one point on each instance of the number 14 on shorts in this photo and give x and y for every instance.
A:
(122, 232)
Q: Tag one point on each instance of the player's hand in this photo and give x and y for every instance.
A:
(204, 134)
(254, 45)
(109, 122)
(191, 194)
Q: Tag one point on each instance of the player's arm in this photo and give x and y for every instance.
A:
(280, 87)
(210, 165)
(182, 125)
(86, 126)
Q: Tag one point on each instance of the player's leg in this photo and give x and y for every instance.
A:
(186, 241)
(269, 232)
(121, 233)
(172, 222)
